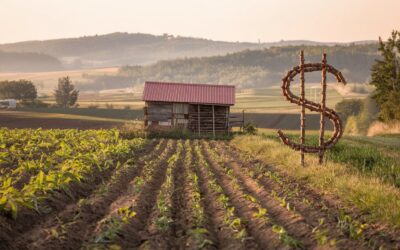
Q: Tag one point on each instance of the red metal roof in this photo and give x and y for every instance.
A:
(189, 93)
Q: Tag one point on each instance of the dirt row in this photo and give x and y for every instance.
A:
(151, 204)
(32, 229)
(329, 218)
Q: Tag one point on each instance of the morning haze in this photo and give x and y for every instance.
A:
(226, 20)
(208, 124)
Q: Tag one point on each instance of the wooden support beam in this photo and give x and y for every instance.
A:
(213, 120)
(322, 117)
(198, 116)
(303, 109)
(229, 111)
(146, 121)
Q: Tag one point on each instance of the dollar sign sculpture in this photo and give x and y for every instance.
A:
(321, 107)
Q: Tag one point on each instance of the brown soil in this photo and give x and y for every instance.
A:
(314, 205)
(135, 233)
(12, 120)
(261, 231)
(223, 236)
(77, 219)
(34, 230)
(28, 220)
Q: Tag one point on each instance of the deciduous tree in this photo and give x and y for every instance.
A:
(66, 95)
(386, 78)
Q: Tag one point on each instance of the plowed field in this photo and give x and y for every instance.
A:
(191, 194)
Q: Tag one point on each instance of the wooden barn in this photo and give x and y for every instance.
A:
(200, 108)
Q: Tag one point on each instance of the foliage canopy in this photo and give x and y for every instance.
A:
(386, 78)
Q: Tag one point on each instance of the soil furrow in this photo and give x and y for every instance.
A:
(134, 233)
(332, 207)
(104, 231)
(222, 236)
(261, 231)
(68, 228)
(291, 194)
(164, 223)
(179, 226)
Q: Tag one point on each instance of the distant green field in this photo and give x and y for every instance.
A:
(264, 107)
(378, 156)
(270, 99)
(46, 82)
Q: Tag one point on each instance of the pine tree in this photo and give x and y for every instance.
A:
(386, 78)
(66, 95)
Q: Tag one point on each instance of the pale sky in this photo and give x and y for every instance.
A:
(228, 20)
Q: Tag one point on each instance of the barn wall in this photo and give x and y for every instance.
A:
(197, 118)
(159, 113)
(166, 114)
(201, 118)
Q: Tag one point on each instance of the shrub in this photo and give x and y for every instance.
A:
(250, 129)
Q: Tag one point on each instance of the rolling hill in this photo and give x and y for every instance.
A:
(117, 49)
(245, 69)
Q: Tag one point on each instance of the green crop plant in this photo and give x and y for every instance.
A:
(286, 238)
(230, 219)
(53, 160)
(164, 200)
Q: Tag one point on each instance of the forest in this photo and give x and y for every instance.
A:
(246, 69)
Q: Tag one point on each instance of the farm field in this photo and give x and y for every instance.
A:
(46, 82)
(104, 118)
(97, 190)
(47, 120)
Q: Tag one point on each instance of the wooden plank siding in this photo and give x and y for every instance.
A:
(198, 118)
(201, 118)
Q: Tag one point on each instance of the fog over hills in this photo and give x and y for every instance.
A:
(245, 69)
(118, 49)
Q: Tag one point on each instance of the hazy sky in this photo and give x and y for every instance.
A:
(231, 20)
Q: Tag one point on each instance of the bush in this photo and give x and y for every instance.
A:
(20, 90)
(349, 107)
(359, 123)
(250, 129)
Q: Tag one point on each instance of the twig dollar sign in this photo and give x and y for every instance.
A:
(324, 111)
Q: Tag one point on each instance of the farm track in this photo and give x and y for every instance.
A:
(311, 204)
(190, 194)
(65, 227)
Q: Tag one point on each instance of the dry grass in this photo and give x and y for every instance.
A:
(380, 128)
(381, 201)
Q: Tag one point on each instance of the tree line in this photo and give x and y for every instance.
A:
(66, 95)
(384, 103)
(245, 69)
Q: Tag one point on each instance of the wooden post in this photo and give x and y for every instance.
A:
(213, 120)
(198, 117)
(242, 120)
(303, 109)
(146, 122)
(322, 118)
(228, 117)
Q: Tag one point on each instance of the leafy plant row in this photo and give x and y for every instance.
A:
(262, 213)
(54, 159)
(112, 225)
(164, 199)
(350, 226)
(231, 220)
(198, 232)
